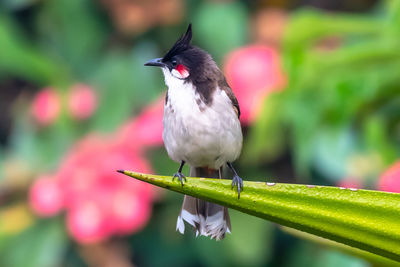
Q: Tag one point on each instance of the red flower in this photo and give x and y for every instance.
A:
(45, 196)
(46, 106)
(390, 179)
(253, 72)
(82, 101)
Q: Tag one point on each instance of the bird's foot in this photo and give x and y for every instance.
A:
(238, 182)
(180, 176)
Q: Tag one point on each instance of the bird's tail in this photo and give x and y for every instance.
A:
(207, 219)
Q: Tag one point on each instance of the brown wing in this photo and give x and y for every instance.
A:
(225, 86)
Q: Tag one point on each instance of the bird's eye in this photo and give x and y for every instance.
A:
(174, 63)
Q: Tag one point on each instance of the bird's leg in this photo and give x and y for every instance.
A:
(179, 174)
(236, 180)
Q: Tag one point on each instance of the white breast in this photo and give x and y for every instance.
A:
(201, 135)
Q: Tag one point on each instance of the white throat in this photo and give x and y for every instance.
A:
(173, 78)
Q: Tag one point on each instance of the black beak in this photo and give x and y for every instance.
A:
(157, 62)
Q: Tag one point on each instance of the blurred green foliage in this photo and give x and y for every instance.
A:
(341, 102)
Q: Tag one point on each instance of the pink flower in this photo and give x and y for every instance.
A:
(253, 71)
(82, 101)
(99, 202)
(87, 223)
(390, 179)
(146, 129)
(46, 106)
(130, 210)
(91, 185)
(351, 182)
(45, 196)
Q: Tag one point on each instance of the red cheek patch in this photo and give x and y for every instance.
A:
(183, 71)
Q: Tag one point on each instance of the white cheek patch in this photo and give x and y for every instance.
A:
(184, 73)
(180, 72)
(176, 74)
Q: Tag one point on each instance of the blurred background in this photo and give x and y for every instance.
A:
(318, 82)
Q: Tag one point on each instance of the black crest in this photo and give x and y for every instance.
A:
(181, 45)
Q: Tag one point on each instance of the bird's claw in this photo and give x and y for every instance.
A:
(238, 182)
(180, 176)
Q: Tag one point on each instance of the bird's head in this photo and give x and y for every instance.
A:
(183, 61)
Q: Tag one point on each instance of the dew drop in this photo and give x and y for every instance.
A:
(353, 189)
(271, 184)
(342, 188)
(310, 186)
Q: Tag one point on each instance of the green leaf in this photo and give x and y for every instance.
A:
(331, 246)
(308, 25)
(41, 245)
(19, 57)
(364, 219)
(268, 127)
(223, 23)
(73, 31)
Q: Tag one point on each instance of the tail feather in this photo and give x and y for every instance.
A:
(207, 219)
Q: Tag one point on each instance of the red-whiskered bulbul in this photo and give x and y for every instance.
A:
(201, 128)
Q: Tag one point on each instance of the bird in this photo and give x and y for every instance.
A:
(201, 128)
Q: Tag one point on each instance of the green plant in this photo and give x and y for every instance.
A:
(364, 219)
